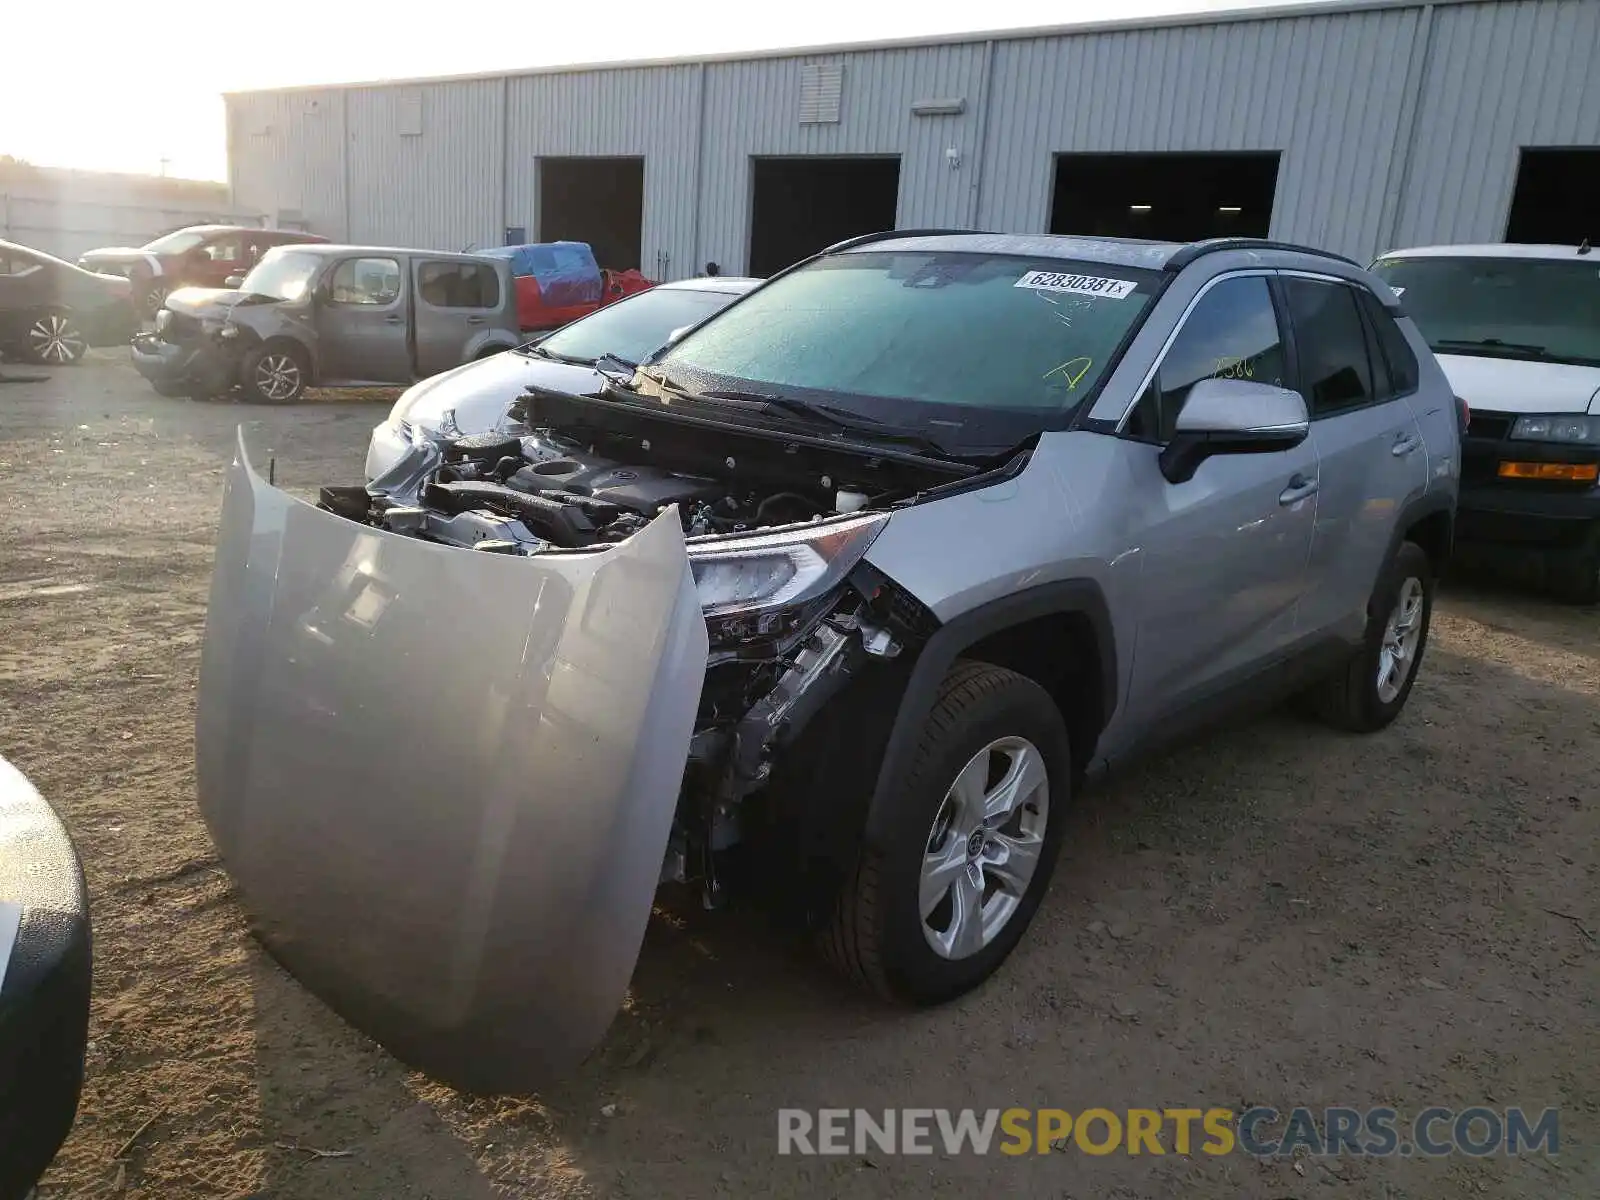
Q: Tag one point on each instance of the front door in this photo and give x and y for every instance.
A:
(362, 317)
(456, 300)
(1369, 444)
(211, 263)
(1225, 552)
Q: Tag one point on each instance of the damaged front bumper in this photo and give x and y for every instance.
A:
(201, 363)
(443, 780)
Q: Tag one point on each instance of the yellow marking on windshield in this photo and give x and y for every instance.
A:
(1073, 377)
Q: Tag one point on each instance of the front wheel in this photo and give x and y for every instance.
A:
(936, 910)
(54, 339)
(273, 374)
(1369, 691)
(155, 295)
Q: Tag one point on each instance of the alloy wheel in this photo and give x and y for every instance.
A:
(1397, 654)
(53, 338)
(277, 376)
(984, 847)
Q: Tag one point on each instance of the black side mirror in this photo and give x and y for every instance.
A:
(1233, 416)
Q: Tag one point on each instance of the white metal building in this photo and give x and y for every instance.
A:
(1355, 126)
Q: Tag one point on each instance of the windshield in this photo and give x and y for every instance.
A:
(634, 328)
(973, 351)
(281, 274)
(1545, 310)
(175, 243)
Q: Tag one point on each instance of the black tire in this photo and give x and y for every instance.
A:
(1352, 698)
(1576, 577)
(875, 934)
(275, 360)
(173, 391)
(52, 337)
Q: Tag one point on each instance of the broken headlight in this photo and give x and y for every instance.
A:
(763, 587)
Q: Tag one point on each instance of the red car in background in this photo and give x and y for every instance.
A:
(558, 282)
(199, 256)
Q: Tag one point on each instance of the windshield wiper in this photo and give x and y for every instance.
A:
(552, 356)
(1493, 344)
(826, 414)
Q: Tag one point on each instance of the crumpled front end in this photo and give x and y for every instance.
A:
(444, 780)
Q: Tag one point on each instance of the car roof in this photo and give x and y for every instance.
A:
(339, 249)
(1116, 252)
(1488, 250)
(732, 284)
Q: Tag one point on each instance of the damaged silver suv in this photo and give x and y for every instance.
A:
(837, 597)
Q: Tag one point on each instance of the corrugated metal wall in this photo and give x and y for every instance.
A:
(651, 112)
(1323, 91)
(66, 212)
(753, 109)
(434, 183)
(1395, 126)
(286, 156)
(1500, 77)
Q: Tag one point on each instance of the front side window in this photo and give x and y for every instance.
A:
(1231, 333)
(224, 251)
(1541, 310)
(1330, 344)
(634, 328)
(973, 351)
(365, 281)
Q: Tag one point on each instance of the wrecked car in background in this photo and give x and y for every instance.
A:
(837, 598)
(196, 256)
(330, 316)
(559, 282)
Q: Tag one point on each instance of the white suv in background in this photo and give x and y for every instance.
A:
(1517, 331)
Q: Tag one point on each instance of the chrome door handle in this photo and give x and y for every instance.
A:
(1299, 488)
(394, 320)
(474, 320)
(1404, 444)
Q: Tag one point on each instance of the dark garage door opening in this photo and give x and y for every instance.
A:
(594, 200)
(801, 205)
(1167, 197)
(1557, 197)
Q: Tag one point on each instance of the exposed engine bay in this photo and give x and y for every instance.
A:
(565, 473)
(574, 472)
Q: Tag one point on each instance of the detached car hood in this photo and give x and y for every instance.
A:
(1518, 386)
(478, 392)
(444, 780)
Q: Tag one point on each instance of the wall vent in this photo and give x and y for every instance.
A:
(820, 87)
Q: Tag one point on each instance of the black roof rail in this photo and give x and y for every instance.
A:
(1194, 250)
(885, 235)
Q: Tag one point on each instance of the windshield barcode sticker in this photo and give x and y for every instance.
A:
(1078, 285)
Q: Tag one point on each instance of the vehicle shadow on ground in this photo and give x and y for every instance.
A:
(1189, 908)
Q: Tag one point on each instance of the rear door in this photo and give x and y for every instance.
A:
(456, 301)
(1367, 438)
(24, 288)
(1224, 552)
(361, 322)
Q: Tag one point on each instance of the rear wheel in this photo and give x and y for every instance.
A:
(934, 912)
(1369, 691)
(274, 374)
(54, 339)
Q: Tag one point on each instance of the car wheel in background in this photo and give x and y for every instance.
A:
(1576, 577)
(155, 295)
(984, 801)
(1369, 691)
(274, 374)
(54, 339)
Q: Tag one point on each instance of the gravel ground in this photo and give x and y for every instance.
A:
(1277, 915)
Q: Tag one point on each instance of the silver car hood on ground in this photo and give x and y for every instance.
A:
(444, 780)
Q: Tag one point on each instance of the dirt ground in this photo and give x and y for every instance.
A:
(1275, 915)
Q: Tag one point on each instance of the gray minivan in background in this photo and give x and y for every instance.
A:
(330, 316)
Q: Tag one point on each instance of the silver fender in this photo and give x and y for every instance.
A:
(443, 780)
